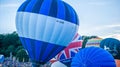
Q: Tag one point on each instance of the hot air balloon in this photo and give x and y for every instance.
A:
(112, 45)
(45, 27)
(93, 57)
(69, 52)
(94, 42)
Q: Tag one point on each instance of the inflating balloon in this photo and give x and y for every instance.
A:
(93, 57)
(94, 42)
(112, 45)
(45, 27)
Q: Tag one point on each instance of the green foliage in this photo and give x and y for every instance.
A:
(10, 48)
(10, 43)
(22, 55)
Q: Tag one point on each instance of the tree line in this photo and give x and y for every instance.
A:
(10, 43)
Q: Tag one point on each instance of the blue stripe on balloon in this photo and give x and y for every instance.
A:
(37, 49)
(73, 16)
(49, 48)
(23, 6)
(67, 13)
(40, 51)
(76, 17)
(61, 11)
(53, 9)
(70, 14)
(27, 46)
(55, 52)
(30, 5)
(44, 45)
(23, 42)
(37, 6)
(45, 7)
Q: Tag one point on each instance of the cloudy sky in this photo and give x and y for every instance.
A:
(97, 17)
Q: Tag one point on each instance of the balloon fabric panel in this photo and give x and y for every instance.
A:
(49, 31)
(39, 54)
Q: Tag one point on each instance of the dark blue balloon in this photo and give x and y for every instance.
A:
(93, 57)
(109, 42)
(112, 45)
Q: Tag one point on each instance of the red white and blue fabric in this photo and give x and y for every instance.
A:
(66, 55)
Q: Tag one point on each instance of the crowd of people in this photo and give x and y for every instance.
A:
(15, 63)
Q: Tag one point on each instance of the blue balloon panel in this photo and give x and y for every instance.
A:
(93, 57)
(40, 51)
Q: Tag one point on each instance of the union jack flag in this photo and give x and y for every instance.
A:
(71, 50)
(66, 55)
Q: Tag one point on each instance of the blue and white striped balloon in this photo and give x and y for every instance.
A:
(45, 27)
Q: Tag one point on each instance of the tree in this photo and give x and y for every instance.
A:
(19, 48)
(9, 42)
(1, 39)
(11, 48)
(22, 55)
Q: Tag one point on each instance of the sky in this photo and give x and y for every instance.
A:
(97, 17)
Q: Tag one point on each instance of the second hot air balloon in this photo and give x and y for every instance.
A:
(93, 57)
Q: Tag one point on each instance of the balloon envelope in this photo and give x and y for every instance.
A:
(112, 45)
(93, 57)
(45, 27)
(94, 42)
